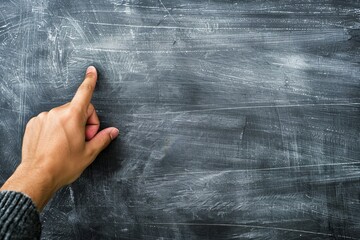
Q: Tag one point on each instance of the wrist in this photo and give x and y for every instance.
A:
(36, 184)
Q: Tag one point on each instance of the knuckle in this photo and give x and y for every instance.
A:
(90, 109)
(54, 111)
(76, 109)
(42, 115)
(91, 106)
(76, 112)
(30, 122)
(86, 87)
(90, 75)
(65, 115)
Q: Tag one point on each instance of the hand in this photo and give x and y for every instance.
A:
(58, 145)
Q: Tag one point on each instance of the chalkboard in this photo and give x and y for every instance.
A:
(238, 119)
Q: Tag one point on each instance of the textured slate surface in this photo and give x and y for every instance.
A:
(238, 119)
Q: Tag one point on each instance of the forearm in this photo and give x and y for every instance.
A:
(38, 186)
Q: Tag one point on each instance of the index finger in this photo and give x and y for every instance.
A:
(84, 93)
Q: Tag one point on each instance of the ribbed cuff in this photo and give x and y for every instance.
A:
(19, 218)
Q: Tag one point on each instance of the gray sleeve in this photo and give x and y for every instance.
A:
(19, 218)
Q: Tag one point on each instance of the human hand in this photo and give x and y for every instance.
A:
(58, 145)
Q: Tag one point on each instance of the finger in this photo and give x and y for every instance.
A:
(92, 124)
(90, 131)
(84, 93)
(101, 140)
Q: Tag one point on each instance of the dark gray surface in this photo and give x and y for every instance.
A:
(238, 119)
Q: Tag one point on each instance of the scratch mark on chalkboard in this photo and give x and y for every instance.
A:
(250, 226)
(281, 29)
(25, 49)
(167, 11)
(12, 110)
(246, 170)
(185, 28)
(247, 107)
(282, 134)
(159, 51)
(72, 195)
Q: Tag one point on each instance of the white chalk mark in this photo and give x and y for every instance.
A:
(246, 107)
(190, 28)
(11, 110)
(72, 195)
(167, 11)
(244, 170)
(250, 226)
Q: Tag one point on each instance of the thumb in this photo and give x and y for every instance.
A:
(101, 140)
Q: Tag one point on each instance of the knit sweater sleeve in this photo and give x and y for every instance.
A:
(19, 218)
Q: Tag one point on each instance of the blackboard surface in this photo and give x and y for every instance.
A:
(238, 119)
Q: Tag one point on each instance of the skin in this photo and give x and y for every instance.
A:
(59, 145)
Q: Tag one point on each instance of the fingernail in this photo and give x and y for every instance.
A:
(114, 133)
(90, 69)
